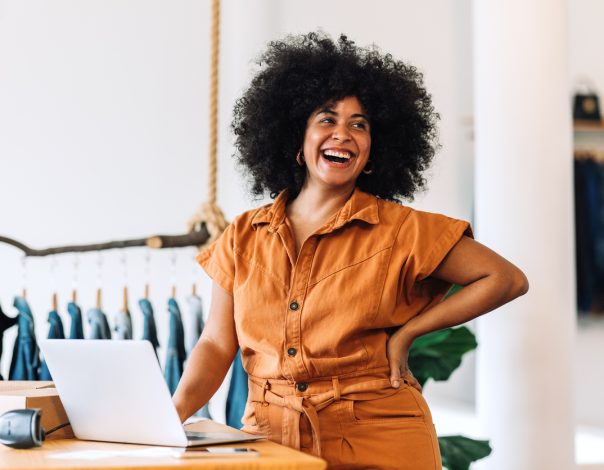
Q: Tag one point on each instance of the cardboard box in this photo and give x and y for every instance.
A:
(16, 395)
(9, 385)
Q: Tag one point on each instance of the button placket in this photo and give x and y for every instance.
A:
(293, 319)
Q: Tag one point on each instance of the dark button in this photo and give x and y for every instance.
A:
(294, 305)
(302, 387)
(292, 351)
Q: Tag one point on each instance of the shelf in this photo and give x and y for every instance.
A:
(588, 126)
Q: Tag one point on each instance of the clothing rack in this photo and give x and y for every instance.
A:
(197, 237)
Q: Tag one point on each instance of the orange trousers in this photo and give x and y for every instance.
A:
(354, 421)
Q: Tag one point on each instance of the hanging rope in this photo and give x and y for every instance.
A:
(209, 213)
(215, 41)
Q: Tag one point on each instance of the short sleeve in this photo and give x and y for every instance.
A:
(218, 259)
(427, 238)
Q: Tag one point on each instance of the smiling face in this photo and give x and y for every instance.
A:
(337, 142)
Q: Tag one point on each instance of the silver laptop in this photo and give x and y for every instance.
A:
(115, 391)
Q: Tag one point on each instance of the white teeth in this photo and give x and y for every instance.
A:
(335, 153)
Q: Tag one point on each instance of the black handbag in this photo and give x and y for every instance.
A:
(586, 107)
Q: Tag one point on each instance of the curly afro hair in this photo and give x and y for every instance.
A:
(301, 73)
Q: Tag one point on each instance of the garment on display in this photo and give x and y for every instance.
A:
(123, 320)
(589, 232)
(193, 329)
(123, 325)
(25, 363)
(195, 323)
(149, 327)
(76, 330)
(55, 331)
(6, 322)
(99, 325)
(176, 352)
(238, 391)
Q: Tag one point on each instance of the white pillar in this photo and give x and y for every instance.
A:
(524, 211)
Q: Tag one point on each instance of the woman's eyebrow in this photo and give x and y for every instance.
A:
(333, 113)
(327, 111)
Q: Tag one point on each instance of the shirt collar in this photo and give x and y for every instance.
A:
(359, 206)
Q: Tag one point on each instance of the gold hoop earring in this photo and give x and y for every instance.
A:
(300, 158)
(368, 172)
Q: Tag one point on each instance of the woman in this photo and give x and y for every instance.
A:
(325, 289)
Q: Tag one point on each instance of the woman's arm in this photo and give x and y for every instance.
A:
(489, 281)
(211, 357)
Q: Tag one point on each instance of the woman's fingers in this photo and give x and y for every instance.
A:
(411, 380)
(395, 373)
(395, 367)
(397, 352)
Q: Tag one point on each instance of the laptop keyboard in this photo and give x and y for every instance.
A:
(207, 435)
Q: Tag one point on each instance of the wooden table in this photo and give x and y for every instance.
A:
(59, 454)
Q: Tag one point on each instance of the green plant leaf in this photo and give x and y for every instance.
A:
(453, 290)
(437, 354)
(458, 452)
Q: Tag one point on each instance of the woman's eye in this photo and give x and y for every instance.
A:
(359, 125)
(327, 120)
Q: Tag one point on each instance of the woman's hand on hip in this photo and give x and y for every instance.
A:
(397, 351)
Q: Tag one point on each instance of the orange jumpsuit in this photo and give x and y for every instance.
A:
(313, 326)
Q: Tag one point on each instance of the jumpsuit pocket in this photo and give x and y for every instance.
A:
(400, 406)
(256, 419)
(262, 418)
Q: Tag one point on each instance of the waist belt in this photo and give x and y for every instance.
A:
(318, 395)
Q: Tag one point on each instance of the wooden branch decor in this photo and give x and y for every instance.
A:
(194, 238)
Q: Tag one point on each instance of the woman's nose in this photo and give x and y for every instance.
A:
(341, 133)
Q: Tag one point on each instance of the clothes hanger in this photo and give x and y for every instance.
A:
(124, 263)
(147, 272)
(74, 281)
(194, 274)
(53, 283)
(125, 299)
(173, 259)
(99, 280)
(24, 277)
